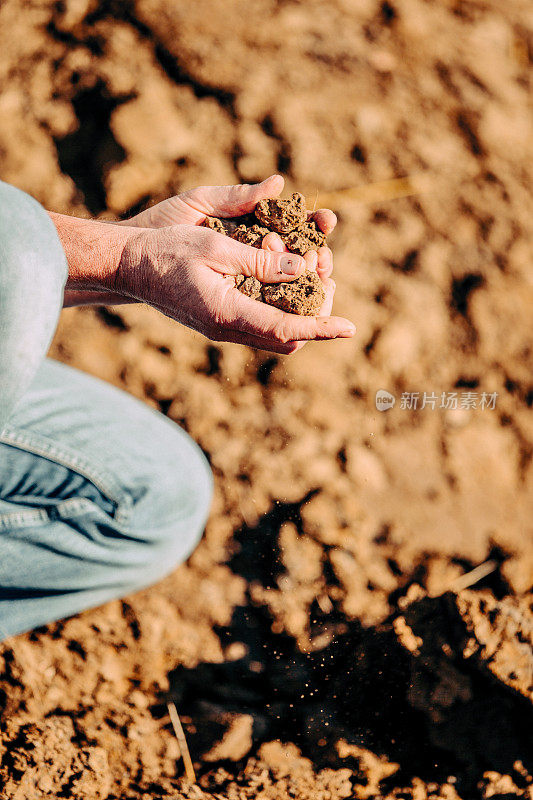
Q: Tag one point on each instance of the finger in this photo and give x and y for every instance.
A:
(325, 262)
(248, 316)
(325, 219)
(311, 260)
(235, 258)
(233, 201)
(217, 333)
(272, 241)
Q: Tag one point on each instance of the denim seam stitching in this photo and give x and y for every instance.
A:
(104, 483)
(19, 519)
(31, 516)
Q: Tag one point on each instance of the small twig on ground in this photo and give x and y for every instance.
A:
(182, 741)
(475, 575)
(379, 192)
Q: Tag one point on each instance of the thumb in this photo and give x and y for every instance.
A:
(267, 266)
(232, 201)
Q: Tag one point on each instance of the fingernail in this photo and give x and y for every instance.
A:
(290, 264)
(349, 330)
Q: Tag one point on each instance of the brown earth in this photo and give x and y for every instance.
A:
(322, 642)
(289, 219)
(304, 296)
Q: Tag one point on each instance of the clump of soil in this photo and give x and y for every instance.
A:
(306, 237)
(45, 758)
(253, 236)
(249, 286)
(282, 216)
(304, 296)
(287, 218)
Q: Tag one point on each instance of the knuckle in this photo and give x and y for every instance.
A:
(237, 197)
(260, 262)
(282, 334)
(212, 243)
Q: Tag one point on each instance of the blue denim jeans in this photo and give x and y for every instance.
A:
(99, 494)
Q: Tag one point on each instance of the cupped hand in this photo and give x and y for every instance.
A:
(193, 206)
(187, 272)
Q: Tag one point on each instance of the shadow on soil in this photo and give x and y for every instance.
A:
(434, 712)
(88, 153)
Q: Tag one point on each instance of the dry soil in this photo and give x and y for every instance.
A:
(320, 643)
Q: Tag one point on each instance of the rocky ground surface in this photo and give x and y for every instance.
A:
(327, 639)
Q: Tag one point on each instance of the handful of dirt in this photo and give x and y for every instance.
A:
(287, 218)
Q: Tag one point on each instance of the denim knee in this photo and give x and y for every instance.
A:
(169, 514)
(131, 490)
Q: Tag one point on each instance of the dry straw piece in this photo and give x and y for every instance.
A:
(474, 576)
(377, 192)
(182, 741)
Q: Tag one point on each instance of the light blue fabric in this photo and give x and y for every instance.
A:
(33, 271)
(99, 494)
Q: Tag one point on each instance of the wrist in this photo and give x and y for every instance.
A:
(130, 275)
(94, 251)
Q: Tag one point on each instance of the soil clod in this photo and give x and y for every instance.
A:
(304, 296)
(288, 218)
(282, 216)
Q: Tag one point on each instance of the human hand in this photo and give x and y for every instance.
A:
(192, 207)
(187, 272)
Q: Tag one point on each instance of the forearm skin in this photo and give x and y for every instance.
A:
(94, 252)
